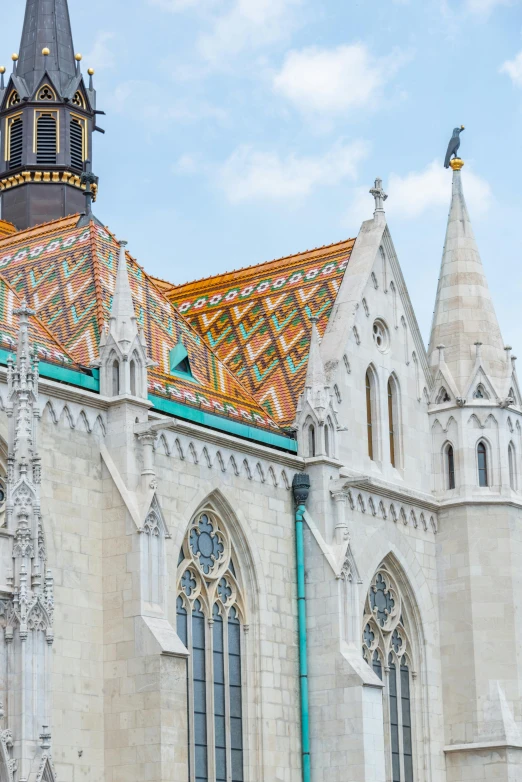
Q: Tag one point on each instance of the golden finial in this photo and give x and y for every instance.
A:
(91, 71)
(456, 164)
(46, 52)
(14, 57)
(2, 68)
(78, 57)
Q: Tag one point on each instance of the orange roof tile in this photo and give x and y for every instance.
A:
(257, 319)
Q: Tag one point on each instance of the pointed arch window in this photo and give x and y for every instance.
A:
(132, 372)
(482, 464)
(388, 649)
(392, 422)
(46, 137)
(78, 137)
(78, 100)
(210, 615)
(443, 396)
(15, 141)
(512, 462)
(450, 467)
(311, 440)
(14, 99)
(369, 414)
(480, 392)
(115, 378)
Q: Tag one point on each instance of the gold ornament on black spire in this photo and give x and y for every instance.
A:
(47, 118)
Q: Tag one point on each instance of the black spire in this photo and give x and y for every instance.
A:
(47, 118)
(47, 26)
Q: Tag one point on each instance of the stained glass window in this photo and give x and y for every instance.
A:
(386, 637)
(209, 587)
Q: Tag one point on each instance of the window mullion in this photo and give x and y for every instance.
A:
(211, 732)
(227, 697)
(399, 717)
(190, 662)
(387, 725)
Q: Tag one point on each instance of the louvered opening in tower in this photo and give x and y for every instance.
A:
(46, 139)
(16, 139)
(76, 144)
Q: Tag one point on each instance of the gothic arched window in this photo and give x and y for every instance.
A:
(311, 440)
(210, 614)
(388, 650)
(369, 412)
(132, 371)
(480, 392)
(115, 378)
(46, 138)
(512, 460)
(46, 93)
(14, 99)
(15, 141)
(78, 136)
(450, 466)
(482, 464)
(442, 396)
(392, 420)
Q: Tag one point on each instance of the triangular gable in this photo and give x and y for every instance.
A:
(257, 320)
(153, 516)
(480, 378)
(443, 381)
(46, 80)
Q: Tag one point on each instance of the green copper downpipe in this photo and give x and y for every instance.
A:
(301, 489)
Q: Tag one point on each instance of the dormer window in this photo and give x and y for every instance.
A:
(179, 361)
(46, 93)
(480, 392)
(443, 396)
(14, 99)
(78, 100)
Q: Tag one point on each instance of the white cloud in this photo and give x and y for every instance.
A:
(101, 55)
(155, 112)
(513, 68)
(248, 24)
(250, 175)
(484, 7)
(174, 6)
(334, 80)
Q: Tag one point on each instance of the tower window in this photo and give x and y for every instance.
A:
(15, 142)
(77, 143)
(46, 93)
(132, 370)
(14, 99)
(391, 419)
(311, 440)
(482, 459)
(480, 392)
(46, 139)
(369, 415)
(78, 100)
(512, 466)
(450, 467)
(116, 378)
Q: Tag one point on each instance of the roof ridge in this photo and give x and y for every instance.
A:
(301, 254)
(31, 231)
(97, 276)
(40, 322)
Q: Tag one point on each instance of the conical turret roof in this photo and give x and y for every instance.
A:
(464, 312)
(46, 25)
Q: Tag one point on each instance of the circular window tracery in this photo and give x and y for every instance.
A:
(381, 336)
(46, 94)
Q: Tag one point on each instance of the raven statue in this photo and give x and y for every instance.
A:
(453, 146)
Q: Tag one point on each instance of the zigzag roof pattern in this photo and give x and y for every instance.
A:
(67, 274)
(257, 319)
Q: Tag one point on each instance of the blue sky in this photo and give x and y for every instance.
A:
(244, 130)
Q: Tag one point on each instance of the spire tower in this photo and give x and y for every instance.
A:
(464, 314)
(47, 116)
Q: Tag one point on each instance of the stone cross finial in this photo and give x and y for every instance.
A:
(380, 196)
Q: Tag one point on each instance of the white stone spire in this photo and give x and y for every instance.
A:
(316, 385)
(464, 314)
(123, 356)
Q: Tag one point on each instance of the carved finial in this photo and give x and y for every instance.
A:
(478, 345)
(45, 738)
(440, 348)
(380, 197)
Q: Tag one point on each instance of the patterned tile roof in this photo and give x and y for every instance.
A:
(67, 274)
(258, 320)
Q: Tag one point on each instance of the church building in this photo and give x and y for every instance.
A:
(251, 530)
